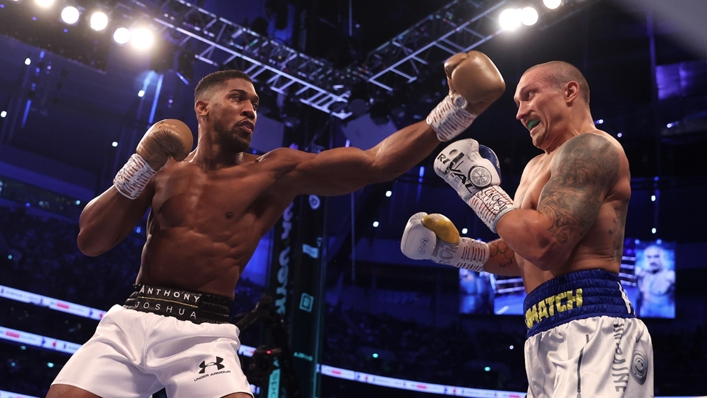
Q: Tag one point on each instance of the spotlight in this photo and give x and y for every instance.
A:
(552, 4)
(44, 3)
(141, 38)
(464, 231)
(528, 16)
(387, 193)
(70, 15)
(121, 35)
(99, 20)
(510, 19)
(375, 224)
(3, 113)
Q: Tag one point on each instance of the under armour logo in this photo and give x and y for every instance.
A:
(203, 365)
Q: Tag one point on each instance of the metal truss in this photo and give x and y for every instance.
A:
(458, 27)
(220, 42)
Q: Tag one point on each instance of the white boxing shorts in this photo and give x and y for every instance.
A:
(585, 341)
(190, 350)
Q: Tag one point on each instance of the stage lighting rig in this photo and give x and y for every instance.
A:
(59, 27)
(98, 20)
(530, 12)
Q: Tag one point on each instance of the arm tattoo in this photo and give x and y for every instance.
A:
(507, 256)
(583, 170)
(618, 232)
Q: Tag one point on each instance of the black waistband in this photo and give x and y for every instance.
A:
(183, 305)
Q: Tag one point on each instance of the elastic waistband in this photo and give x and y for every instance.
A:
(180, 304)
(578, 295)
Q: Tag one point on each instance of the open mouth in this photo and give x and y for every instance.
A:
(532, 124)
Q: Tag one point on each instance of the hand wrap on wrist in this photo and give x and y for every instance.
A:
(467, 253)
(450, 118)
(132, 179)
(490, 204)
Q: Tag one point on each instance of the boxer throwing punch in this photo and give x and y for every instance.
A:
(209, 208)
(563, 234)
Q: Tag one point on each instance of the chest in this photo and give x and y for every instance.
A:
(187, 196)
(532, 183)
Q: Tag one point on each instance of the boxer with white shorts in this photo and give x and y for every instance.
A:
(169, 338)
(562, 234)
(584, 339)
(209, 209)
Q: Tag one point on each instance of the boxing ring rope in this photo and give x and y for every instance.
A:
(21, 337)
(18, 336)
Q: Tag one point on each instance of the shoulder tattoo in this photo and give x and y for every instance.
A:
(583, 170)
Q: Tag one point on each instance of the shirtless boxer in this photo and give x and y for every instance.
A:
(656, 285)
(563, 234)
(209, 209)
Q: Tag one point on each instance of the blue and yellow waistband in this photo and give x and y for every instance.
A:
(578, 295)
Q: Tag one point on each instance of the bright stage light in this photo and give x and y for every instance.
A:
(141, 38)
(121, 35)
(70, 15)
(552, 4)
(528, 16)
(99, 20)
(510, 19)
(44, 3)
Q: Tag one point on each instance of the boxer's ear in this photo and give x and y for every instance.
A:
(571, 91)
(201, 107)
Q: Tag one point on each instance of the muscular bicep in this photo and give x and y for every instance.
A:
(109, 218)
(583, 171)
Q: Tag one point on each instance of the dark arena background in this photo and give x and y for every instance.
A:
(341, 313)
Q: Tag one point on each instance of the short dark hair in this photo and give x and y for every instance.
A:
(563, 73)
(217, 80)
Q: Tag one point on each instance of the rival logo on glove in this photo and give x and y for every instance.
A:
(478, 177)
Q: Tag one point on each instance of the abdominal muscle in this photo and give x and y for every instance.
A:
(183, 259)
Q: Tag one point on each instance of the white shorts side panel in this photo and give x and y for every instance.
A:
(593, 357)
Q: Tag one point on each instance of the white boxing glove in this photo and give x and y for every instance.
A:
(434, 237)
(474, 172)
